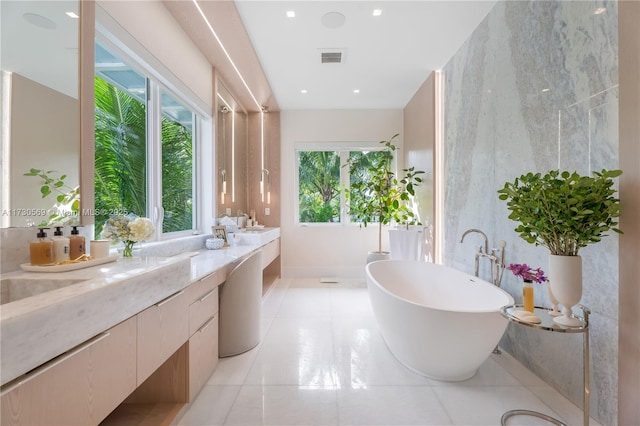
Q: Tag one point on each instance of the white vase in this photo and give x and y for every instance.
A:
(406, 244)
(554, 303)
(565, 280)
(372, 256)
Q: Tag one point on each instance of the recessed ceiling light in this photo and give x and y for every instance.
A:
(356, 90)
(291, 14)
(72, 15)
(303, 91)
(377, 12)
(600, 11)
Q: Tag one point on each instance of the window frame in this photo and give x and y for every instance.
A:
(343, 149)
(158, 80)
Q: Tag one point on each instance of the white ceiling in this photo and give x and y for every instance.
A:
(46, 54)
(387, 57)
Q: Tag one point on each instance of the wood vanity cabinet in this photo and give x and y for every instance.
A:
(203, 330)
(80, 387)
(162, 329)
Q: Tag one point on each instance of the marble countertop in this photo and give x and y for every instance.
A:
(38, 328)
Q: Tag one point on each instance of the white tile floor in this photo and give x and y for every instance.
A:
(322, 361)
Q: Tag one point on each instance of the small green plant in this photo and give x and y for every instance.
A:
(379, 196)
(563, 211)
(65, 211)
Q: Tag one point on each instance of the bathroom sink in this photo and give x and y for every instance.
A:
(257, 236)
(12, 289)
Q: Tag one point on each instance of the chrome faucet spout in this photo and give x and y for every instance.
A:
(486, 240)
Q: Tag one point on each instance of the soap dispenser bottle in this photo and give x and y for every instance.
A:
(60, 246)
(76, 243)
(41, 250)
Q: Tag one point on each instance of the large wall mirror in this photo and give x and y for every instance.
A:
(231, 154)
(40, 104)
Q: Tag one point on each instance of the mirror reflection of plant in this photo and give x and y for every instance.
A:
(65, 211)
(375, 193)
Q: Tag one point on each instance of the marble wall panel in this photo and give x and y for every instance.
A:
(535, 88)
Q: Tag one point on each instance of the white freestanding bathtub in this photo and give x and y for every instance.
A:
(437, 321)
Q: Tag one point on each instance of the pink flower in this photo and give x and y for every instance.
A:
(527, 273)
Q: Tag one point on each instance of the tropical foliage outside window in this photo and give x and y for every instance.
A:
(322, 175)
(123, 183)
(319, 189)
(177, 165)
(120, 153)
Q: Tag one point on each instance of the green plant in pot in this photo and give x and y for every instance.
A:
(564, 212)
(377, 195)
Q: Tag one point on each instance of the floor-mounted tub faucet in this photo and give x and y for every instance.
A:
(497, 263)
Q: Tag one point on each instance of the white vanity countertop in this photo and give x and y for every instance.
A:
(208, 261)
(39, 328)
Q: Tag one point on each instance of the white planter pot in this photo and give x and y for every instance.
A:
(565, 279)
(406, 244)
(372, 256)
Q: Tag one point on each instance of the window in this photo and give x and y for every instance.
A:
(319, 186)
(177, 165)
(323, 173)
(145, 147)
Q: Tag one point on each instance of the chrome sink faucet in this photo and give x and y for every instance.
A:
(497, 263)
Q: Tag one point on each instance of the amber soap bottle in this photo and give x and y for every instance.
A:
(76, 244)
(41, 250)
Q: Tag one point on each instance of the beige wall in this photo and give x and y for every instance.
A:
(629, 310)
(327, 250)
(271, 163)
(419, 143)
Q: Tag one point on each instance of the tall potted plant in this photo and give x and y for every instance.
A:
(564, 212)
(377, 195)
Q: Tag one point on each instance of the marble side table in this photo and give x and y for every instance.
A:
(547, 324)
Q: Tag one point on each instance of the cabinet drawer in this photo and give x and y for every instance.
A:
(162, 329)
(203, 355)
(270, 251)
(202, 309)
(80, 387)
(198, 289)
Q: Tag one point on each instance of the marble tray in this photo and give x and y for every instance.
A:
(69, 266)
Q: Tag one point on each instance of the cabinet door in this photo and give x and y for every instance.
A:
(203, 355)
(162, 329)
(80, 387)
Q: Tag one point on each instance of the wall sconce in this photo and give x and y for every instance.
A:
(223, 174)
(262, 174)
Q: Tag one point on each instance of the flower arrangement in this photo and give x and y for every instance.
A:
(527, 273)
(129, 229)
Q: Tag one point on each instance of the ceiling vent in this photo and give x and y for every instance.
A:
(332, 56)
